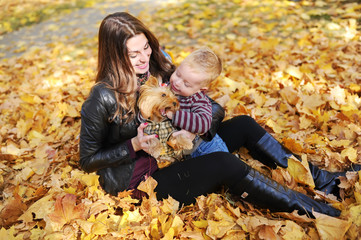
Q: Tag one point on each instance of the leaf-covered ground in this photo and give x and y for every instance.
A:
(19, 13)
(293, 66)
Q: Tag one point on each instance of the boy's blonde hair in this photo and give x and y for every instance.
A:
(205, 61)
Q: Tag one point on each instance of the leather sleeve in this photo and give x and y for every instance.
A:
(95, 152)
(217, 118)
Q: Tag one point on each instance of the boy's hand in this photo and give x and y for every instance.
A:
(185, 133)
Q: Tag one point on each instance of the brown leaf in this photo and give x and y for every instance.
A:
(12, 211)
(267, 232)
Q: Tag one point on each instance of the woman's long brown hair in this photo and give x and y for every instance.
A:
(114, 66)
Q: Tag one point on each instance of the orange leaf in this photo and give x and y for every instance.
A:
(66, 210)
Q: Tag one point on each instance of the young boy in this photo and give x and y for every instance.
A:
(189, 82)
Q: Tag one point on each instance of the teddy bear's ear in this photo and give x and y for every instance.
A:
(152, 82)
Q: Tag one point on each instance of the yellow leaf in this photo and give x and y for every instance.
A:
(201, 223)
(217, 229)
(165, 221)
(12, 149)
(338, 95)
(355, 87)
(32, 99)
(70, 190)
(290, 95)
(300, 171)
(305, 122)
(26, 173)
(355, 215)
(7, 234)
(90, 179)
(349, 153)
(148, 187)
(23, 127)
(37, 233)
(86, 226)
(275, 127)
(35, 138)
(221, 214)
(100, 226)
(358, 197)
(216, 24)
(169, 235)
(129, 217)
(292, 231)
(313, 101)
(39, 209)
(294, 71)
(251, 53)
(177, 225)
(330, 227)
(231, 36)
(180, 27)
(154, 230)
(170, 206)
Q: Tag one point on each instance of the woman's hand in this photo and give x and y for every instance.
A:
(185, 133)
(141, 142)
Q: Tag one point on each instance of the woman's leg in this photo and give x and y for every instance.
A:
(240, 131)
(193, 177)
(186, 180)
(244, 131)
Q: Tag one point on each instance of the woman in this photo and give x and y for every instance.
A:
(112, 142)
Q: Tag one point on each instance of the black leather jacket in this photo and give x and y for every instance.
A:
(105, 146)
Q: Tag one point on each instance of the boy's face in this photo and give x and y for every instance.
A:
(186, 82)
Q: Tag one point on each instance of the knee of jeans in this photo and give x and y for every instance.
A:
(198, 152)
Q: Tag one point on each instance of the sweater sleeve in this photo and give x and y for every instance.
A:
(94, 153)
(195, 114)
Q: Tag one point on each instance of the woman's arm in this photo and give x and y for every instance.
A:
(94, 154)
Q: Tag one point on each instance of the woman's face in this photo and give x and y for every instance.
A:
(139, 53)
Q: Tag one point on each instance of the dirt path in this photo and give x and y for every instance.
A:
(68, 28)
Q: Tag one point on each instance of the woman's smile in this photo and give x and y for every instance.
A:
(143, 66)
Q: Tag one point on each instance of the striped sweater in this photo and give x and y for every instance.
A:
(195, 114)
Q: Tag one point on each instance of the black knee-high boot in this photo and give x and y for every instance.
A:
(264, 192)
(271, 153)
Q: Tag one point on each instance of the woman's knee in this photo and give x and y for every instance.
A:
(244, 121)
(228, 162)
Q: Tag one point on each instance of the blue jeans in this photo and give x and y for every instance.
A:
(215, 145)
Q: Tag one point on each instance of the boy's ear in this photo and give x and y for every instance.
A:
(152, 82)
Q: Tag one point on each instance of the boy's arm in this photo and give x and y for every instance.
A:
(196, 117)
